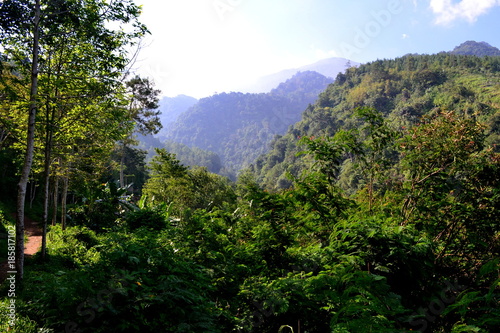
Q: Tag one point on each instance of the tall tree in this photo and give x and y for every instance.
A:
(100, 56)
(143, 111)
(13, 20)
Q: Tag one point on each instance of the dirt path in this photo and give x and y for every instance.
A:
(32, 245)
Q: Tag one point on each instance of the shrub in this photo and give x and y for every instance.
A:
(151, 218)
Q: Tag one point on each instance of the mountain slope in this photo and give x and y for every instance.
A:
(404, 90)
(171, 108)
(238, 127)
(479, 49)
(328, 67)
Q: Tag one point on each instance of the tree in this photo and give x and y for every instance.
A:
(451, 184)
(99, 48)
(143, 111)
(30, 141)
(369, 147)
(184, 188)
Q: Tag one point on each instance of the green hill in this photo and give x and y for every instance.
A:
(403, 90)
(238, 127)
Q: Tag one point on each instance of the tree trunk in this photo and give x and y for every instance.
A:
(32, 192)
(49, 126)
(46, 197)
(55, 196)
(46, 186)
(64, 199)
(122, 167)
(30, 144)
(55, 199)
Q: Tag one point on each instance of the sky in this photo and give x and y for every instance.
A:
(202, 47)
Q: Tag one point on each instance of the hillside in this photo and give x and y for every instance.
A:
(480, 49)
(403, 90)
(171, 108)
(238, 127)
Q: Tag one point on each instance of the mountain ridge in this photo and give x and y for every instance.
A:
(328, 67)
(479, 49)
(238, 126)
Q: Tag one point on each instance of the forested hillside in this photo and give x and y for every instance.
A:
(238, 127)
(171, 108)
(380, 214)
(403, 90)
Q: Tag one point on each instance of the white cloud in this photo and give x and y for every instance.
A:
(447, 11)
(405, 36)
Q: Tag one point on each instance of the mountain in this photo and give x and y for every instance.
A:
(171, 108)
(404, 90)
(328, 67)
(479, 49)
(238, 127)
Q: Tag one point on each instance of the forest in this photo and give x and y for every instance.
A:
(377, 212)
(238, 127)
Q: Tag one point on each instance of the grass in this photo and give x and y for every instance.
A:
(5, 220)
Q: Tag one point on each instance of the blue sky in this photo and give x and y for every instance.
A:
(199, 47)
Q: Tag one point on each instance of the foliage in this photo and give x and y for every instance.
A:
(388, 223)
(149, 288)
(143, 105)
(402, 90)
(73, 247)
(102, 207)
(22, 323)
(152, 218)
(173, 183)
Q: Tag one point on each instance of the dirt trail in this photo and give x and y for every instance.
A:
(32, 245)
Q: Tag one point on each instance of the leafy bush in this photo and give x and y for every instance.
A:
(23, 324)
(75, 246)
(103, 209)
(3, 231)
(135, 284)
(151, 218)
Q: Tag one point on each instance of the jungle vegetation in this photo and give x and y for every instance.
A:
(377, 212)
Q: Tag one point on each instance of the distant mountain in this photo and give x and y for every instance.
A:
(479, 49)
(171, 108)
(238, 127)
(328, 67)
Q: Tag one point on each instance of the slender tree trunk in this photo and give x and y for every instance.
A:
(64, 199)
(46, 196)
(55, 199)
(30, 144)
(122, 167)
(49, 122)
(32, 192)
(46, 187)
